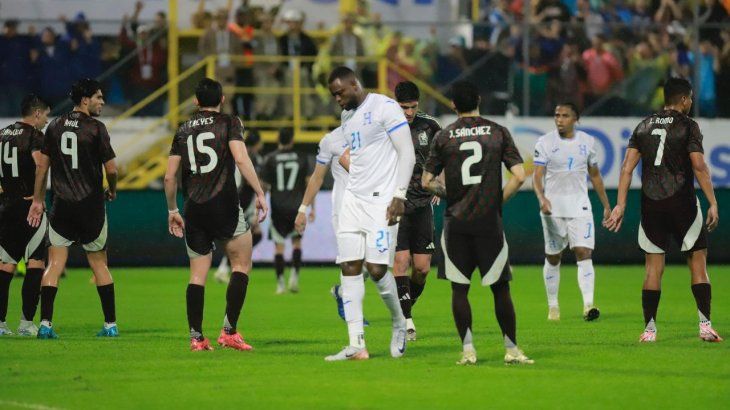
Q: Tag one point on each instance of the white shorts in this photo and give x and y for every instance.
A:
(363, 232)
(561, 232)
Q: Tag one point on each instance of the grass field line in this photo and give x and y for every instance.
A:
(23, 405)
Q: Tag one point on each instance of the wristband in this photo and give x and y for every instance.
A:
(400, 193)
(302, 209)
(173, 211)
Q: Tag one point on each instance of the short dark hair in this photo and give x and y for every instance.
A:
(572, 106)
(252, 137)
(286, 136)
(11, 23)
(341, 73)
(209, 92)
(465, 96)
(84, 88)
(30, 103)
(407, 91)
(676, 88)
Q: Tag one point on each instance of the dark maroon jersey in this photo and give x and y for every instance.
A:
(286, 172)
(17, 168)
(208, 167)
(665, 140)
(471, 152)
(423, 130)
(78, 145)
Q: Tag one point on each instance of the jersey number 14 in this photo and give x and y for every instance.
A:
(9, 155)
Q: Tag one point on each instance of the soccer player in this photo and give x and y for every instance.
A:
(415, 231)
(565, 158)
(208, 148)
(20, 146)
(669, 145)
(246, 197)
(285, 173)
(471, 152)
(76, 148)
(381, 163)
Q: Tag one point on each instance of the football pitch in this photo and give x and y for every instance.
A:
(578, 364)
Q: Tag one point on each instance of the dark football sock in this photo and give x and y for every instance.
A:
(256, 237)
(48, 296)
(195, 298)
(235, 296)
(703, 297)
(461, 309)
(5, 278)
(31, 292)
(404, 295)
(296, 259)
(505, 312)
(416, 290)
(106, 295)
(279, 265)
(650, 303)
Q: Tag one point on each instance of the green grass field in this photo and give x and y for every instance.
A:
(578, 364)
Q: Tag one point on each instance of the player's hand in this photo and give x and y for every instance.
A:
(435, 200)
(312, 215)
(109, 195)
(175, 224)
(261, 209)
(616, 219)
(713, 218)
(395, 210)
(606, 215)
(300, 223)
(35, 213)
(546, 207)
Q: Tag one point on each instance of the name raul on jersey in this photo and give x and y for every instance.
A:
(471, 132)
(71, 123)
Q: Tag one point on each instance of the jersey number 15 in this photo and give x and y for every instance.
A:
(203, 149)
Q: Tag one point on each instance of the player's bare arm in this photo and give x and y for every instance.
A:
(313, 186)
(702, 173)
(345, 160)
(514, 183)
(403, 145)
(597, 181)
(312, 204)
(538, 185)
(35, 213)
(175, 223)
(245, 167)
(110, 168)
(36, 159)
(433, 184)
(627, 170)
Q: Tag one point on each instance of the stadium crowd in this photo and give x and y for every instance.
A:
(611, 56)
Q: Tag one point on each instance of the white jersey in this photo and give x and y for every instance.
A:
(330, 149)
(373, 158)
(566, 163)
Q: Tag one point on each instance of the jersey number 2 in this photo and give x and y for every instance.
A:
(660, 149)
(476, 148)
(9, 156)
(203, 149)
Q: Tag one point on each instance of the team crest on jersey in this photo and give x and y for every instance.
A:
(423, 138)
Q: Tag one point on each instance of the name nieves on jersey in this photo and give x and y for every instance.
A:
(199, 121)
(471, 132)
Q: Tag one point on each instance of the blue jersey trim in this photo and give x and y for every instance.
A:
(321, 162)
(538, 163)
(397, 126)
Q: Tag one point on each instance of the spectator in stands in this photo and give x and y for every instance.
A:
(242, 28)
(602, 68)
(723, 76)
(668, 12)
(85, 50)
(550, 41)
(711, 12)
(500, 19)
(295, 42)
(548, 10)
(452, 64)
(148, 69)
(52, 63)
(219, 41)
(348, 44)
(709, 62)
(490, 71)
(590, 20)
(566, 80)
(266, 74)
(14, 66)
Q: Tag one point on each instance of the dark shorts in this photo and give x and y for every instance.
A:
(681, 221)
(18, 240)
(282, 225)
(463, 253)
(203, 228)
(83, 222)
(415, 232)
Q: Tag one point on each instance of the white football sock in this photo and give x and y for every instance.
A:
(353, 292)
(551, 275)
(389, 293)
(223, 267)
(586, 279)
